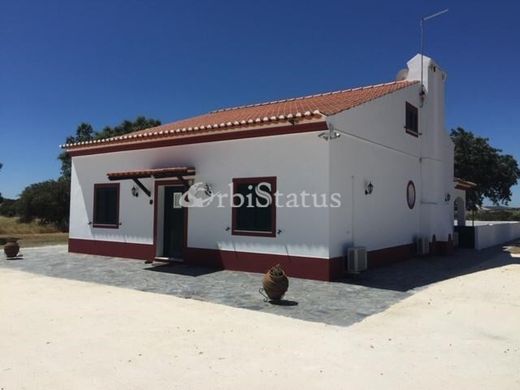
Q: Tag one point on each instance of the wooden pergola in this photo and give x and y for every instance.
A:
(158, 173)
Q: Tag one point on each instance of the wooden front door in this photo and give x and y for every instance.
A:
(174, 223)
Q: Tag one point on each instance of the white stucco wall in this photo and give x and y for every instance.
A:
(378, 151)
(459, 198)
(298, 161)
(374, 147)
(436, 152)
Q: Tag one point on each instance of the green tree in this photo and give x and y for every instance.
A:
(47, 201)
(85, 132)
(8, 207)
(125, 127)
(493, 172)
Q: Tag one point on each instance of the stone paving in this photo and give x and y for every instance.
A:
(340, 303)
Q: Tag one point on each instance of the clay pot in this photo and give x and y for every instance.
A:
(11, 247)
(275, 283)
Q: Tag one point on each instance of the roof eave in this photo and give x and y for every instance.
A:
(199, 130)
(317, 124)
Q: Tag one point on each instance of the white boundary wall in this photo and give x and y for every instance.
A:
(491, 233)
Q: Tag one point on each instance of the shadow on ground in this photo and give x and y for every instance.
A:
(181, 269)
(283, 302)
(419, 272)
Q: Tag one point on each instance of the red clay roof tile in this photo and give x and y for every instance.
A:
(307, 107)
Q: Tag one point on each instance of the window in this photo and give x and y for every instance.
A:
(254, 209)
(106, 205)
(412, 119)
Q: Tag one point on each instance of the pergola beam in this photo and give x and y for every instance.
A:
(142, 187)
(159, 173)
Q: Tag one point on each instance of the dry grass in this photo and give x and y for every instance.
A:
(30, 234)
(11, 226)
(43, 239)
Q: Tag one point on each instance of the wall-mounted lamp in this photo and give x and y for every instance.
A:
(447, 197)
(369, 188)
(328, 135)
(135, 191)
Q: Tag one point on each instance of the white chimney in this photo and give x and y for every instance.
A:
(432, 73)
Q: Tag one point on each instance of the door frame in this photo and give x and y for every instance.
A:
(158, 245)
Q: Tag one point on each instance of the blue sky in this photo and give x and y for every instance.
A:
(67, 62)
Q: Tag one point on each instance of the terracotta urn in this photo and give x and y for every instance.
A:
(11, 247)
(275, 283)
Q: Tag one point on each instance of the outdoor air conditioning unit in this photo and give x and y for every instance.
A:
(356, 260)
(422, 246)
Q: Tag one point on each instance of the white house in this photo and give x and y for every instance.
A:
(378, 156)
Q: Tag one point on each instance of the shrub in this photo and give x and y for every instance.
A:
(498, 215)
(47, 201)
(8, 208)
